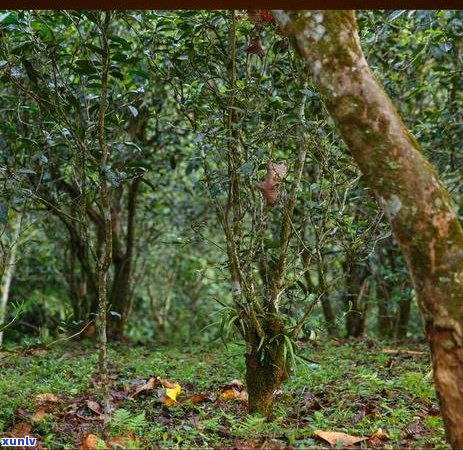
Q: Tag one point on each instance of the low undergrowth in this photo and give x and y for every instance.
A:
(368, 389)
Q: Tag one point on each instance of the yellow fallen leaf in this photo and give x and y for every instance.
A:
(173, 392)
(334, 437)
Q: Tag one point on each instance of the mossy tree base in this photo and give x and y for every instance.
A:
(265, 377)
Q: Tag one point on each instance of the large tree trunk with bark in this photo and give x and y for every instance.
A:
(405, 184)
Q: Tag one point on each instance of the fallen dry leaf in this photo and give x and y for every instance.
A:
(152, 383)
(20, 430)
(172, 389)
(334, 438)
(378, 437)
(38, 352)
(94, 406)
(92, 442)
(233, 391)
(126, 441)
(173, 392)
(197, 398)
(233, 394)
(38, 415)
(393, 351)
(47, 398)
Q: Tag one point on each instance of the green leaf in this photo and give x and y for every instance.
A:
(85, 67)
(7, 18)
(94, 48)
(32, 74)
(140, 73)
(125, 45)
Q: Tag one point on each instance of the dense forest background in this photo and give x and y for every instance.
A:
(165, 126)
(182, 165)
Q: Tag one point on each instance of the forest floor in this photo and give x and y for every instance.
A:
(373, 391)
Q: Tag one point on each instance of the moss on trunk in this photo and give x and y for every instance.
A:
(266, 369)
(404, 183)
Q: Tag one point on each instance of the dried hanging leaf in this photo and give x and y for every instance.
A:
(254, 16)
(260, 17)
(335, 438)
(267, 15)
(89, 330)
(255, 47)
(269, 187)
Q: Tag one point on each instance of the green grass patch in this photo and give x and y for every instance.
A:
(350, 386)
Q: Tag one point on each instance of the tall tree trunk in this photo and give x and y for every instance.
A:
(385, 285)
(355, 299)
(405, 184)
(88, 284)
(9, 272)
(327, 307)
(403, 316)
(104, 255)
(121, 291)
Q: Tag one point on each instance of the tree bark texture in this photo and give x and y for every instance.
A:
(357, 290)
(7, 279)
(122, 259)
(266, 368)
(404, 183)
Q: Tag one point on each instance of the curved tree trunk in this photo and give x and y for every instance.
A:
(405, 184)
